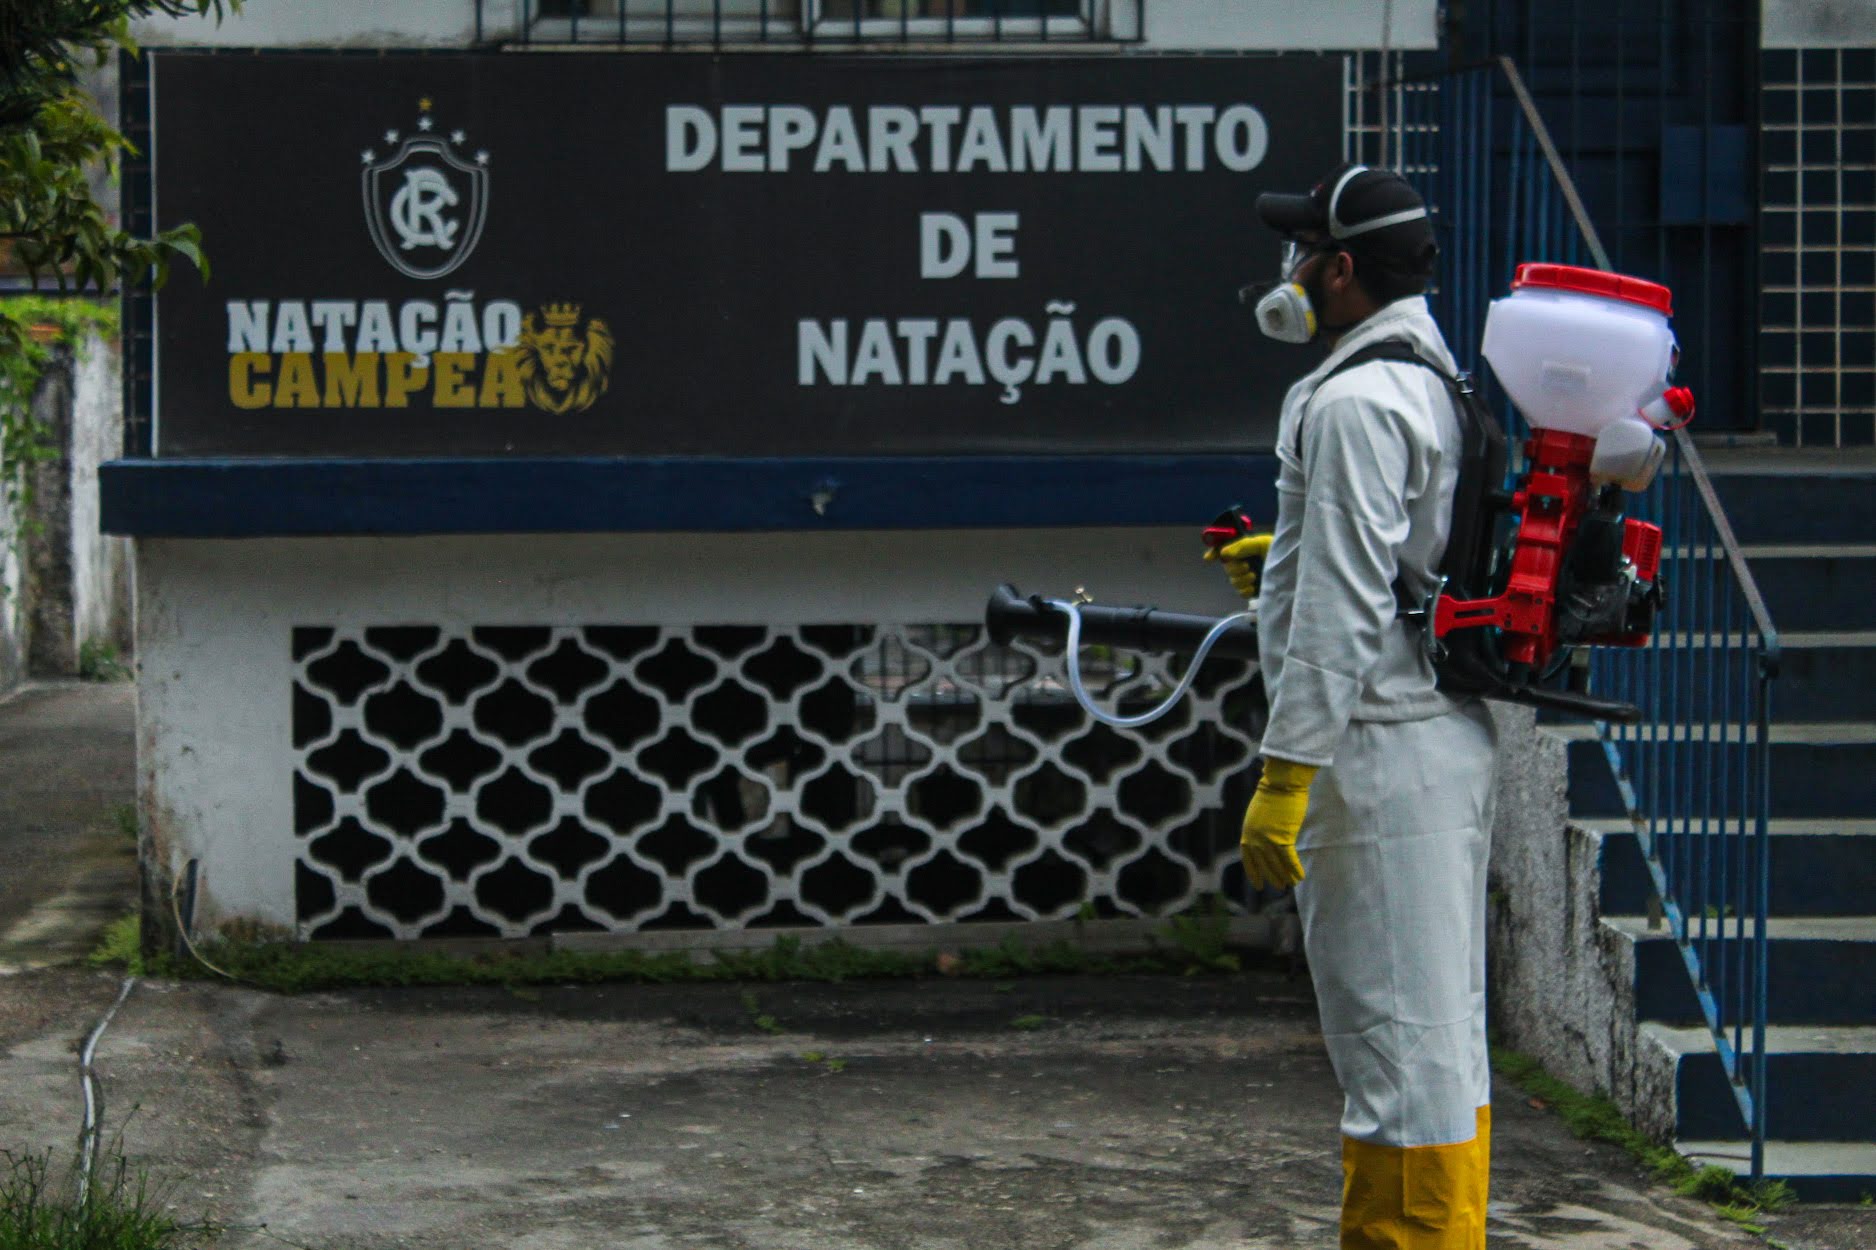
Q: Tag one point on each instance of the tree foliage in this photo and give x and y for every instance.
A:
(51, 137)
(52, 140)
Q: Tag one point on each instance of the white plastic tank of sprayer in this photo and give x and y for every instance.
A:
(1577, 349)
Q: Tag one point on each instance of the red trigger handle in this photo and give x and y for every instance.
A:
(1226, 528)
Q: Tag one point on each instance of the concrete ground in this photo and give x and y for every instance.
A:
(1085, 1113)
(68, 758)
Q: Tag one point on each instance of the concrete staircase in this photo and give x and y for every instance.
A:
(1808, 525)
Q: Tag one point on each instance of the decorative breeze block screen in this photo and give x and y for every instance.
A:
(518, 781)
(1817, 336)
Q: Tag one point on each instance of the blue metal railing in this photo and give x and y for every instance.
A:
(1695, 774)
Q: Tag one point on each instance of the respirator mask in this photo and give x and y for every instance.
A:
(1286, 312)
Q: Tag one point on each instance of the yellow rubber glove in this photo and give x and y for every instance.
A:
(1271, 823)
(1243, 561)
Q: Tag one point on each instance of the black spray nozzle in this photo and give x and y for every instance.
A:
(1011, 614)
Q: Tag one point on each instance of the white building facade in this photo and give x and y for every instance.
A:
(460, 617)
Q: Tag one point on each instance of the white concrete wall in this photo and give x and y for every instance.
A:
(13, 607)
(1291, 24)
(100, 562)
(1563, 982)
(81, 591)
(325, 23)
(215, 620)
(1555, 992)
(1264, 25)
(1818, 23)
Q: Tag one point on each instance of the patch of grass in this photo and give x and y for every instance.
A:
(263, 956)
(1200, 937)
(1743, 1215)
(1598, 1119)
(1773, 1195)
(121, 946)
(99, 661)
(761, 1019)
(824, 1060)
(124, 820)
(1012, 958)
(40, 1209)
(1029, 1023)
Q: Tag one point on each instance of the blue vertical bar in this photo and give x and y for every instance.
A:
(1743, 751)
(1761, 913)
(1703, 716)
(1678, 726)
(1728, 849)
(1514, 184)
(1647, 754)
(1479, 210)
(1697, 730)
(1732, 1007)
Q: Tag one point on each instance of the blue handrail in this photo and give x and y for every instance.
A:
(1696, 773)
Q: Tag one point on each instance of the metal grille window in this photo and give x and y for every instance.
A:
(740, 22)
(1818, 317)
(513, 781)
(1391, 121)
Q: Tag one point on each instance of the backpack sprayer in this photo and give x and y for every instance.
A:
(1530, 574)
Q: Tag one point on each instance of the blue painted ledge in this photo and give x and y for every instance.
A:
(257, 498)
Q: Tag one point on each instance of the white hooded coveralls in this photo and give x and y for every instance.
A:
(1395, 842)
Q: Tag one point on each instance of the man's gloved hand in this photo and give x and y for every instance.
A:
(1271, 822)
(1243, 561)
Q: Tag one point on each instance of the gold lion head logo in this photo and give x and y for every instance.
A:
(562, 367)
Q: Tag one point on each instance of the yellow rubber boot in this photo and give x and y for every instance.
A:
(1483, 1145)
(1416, 1197)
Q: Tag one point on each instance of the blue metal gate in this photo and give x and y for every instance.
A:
(1654, 105)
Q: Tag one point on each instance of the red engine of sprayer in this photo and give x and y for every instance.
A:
(1580, 573)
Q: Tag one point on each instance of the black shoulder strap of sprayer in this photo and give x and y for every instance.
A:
(1387, 349)
(1467, 560)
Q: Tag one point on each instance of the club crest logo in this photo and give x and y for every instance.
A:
(424, 201)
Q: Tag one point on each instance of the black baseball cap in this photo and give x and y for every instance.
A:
(1372, 212)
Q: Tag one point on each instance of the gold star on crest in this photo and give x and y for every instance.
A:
(425, 104)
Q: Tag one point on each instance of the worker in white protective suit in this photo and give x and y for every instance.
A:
(1376, 795)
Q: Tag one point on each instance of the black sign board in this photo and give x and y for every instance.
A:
(470, 255)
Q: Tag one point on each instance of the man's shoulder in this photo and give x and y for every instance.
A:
(1387, 381)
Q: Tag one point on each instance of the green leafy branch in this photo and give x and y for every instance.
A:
(51, 221)
(52, 140)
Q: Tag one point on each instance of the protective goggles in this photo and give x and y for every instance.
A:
(1296, 253)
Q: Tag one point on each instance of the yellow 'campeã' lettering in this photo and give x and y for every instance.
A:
(297, 387)
(401, 378)
(352, 381)
(243, 390)
(375, 380)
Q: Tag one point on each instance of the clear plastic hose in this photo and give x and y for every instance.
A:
(1073, 612)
